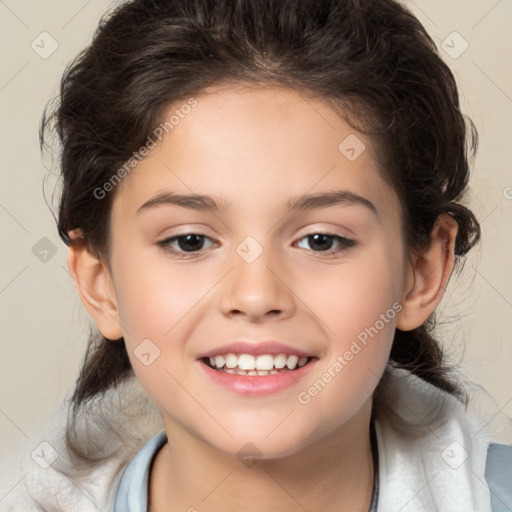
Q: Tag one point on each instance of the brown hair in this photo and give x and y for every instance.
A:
(372, 58)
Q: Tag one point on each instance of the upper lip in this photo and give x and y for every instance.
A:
(254, 348)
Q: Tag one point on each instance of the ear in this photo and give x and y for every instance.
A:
(429, 275)
(95, 287)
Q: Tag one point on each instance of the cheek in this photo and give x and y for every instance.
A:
(153, 296)
(358, 313)
(347, 378)
(356, 297)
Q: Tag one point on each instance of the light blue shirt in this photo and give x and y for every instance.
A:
(132, 493)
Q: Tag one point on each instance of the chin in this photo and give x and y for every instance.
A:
(253, 447)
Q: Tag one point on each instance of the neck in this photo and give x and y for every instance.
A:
(332, 474)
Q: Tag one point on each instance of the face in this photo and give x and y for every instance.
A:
(326, 280)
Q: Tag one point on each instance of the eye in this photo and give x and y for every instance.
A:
(326, 240)
(190, 243)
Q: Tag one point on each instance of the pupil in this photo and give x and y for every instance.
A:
(315, 240)
(187, 239)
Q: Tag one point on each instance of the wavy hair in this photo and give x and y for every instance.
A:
(371, 59)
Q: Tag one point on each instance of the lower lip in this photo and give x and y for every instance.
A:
(257, 385)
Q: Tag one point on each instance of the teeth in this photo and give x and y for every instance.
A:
(245, 362)
(231, 360)
(292, 362)
(280, 361)
(264, 364)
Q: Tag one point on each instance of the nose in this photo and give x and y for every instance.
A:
(259, 288)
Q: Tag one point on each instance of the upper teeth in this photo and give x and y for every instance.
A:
(261, 362)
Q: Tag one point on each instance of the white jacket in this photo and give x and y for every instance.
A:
(432, 453)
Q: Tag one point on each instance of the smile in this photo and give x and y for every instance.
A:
(261, 365)
(250, 375)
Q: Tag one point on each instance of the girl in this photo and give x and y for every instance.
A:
(316, 154)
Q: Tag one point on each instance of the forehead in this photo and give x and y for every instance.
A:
(255, 146)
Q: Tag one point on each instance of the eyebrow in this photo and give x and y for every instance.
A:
(302, 202)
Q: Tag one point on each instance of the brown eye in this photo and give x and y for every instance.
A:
(323, 242)
(187, 244)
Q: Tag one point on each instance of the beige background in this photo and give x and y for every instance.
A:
(43, 324)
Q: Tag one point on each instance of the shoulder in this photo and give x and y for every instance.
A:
(47, 476)
(498, 475)
(434, 452)
(109, 433)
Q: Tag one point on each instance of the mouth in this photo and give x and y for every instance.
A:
(261, 365)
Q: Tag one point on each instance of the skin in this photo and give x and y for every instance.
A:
(258, 148)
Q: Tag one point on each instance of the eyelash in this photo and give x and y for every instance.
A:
(165, 244)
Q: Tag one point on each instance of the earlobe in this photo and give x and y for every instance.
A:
(429, 275)
(94, 286)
